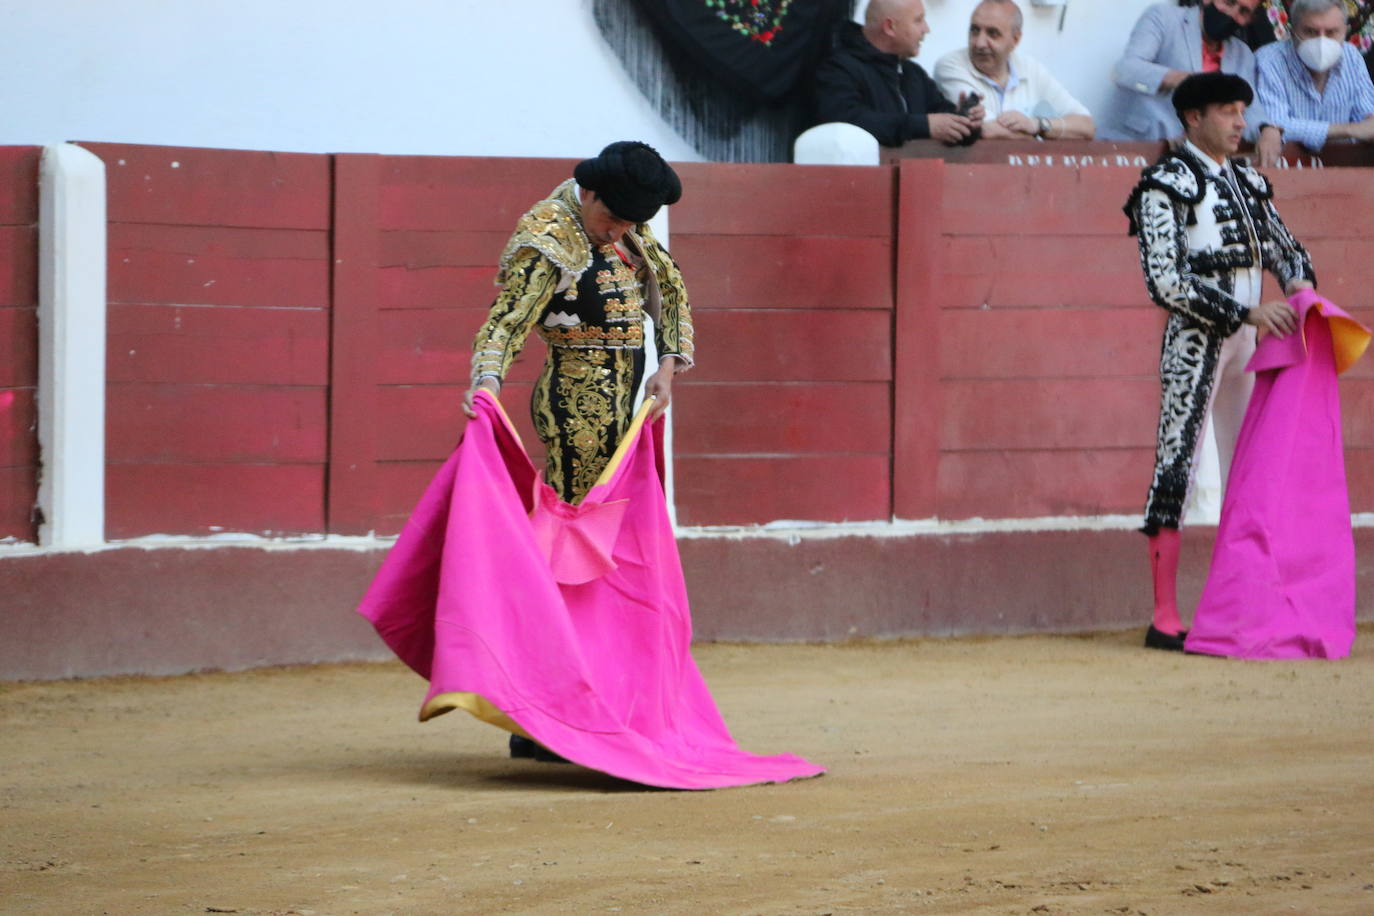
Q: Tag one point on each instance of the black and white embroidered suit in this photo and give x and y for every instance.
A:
(1191, 259)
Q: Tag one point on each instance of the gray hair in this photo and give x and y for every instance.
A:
(1018, 20)
(1300, 9)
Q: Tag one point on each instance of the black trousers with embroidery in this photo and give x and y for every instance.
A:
(582, 405)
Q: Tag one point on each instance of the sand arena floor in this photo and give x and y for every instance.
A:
(1012, 775)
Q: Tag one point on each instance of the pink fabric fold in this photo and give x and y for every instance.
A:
(1282, 579)
(571, 620)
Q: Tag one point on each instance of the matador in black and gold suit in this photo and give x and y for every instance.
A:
(583, 269)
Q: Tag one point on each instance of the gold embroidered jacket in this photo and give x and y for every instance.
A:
(579, 295)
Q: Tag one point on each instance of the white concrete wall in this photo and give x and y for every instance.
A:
(445, 77)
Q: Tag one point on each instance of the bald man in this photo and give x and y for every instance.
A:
(1022, 98)
(870, 80)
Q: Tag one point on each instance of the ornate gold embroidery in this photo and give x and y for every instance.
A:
(552, 227)
(585, 336)
(582, 406)
(672, 316)
(584, 394)
(529, 284)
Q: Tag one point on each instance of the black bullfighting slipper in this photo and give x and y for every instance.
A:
(544, 755)
(1169, 642)
(522, 747)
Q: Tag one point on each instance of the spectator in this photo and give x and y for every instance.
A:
(1167, 44)
(1314, 86)
(1022, 99)
(1271, 23)
(868, 80)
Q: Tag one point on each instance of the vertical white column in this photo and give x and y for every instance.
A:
(659, 226)
(71, 347)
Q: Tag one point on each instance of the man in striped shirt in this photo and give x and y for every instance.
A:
(1314, 87)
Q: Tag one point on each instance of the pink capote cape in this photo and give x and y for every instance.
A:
(1282, 580)
(565, 623)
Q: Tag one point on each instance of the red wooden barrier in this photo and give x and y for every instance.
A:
(416, 246)
(788, 412)
(290, 336)
(18, 341)
(219, 291)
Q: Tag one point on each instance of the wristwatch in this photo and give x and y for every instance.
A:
(1042, 125)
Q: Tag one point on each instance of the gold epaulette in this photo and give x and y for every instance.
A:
(552, 229)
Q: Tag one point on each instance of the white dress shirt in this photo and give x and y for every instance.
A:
(1030, 89)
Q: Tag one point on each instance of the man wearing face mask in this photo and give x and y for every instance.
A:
(1167, 44)
(1314, 86)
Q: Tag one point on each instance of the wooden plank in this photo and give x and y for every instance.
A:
(1038, 290)
(1311, 217)
(215, 187)
(1038, 484)
(221, 241)
(18, 347)
(18, 496)
(472, 194)
(400, 484)
(1009, 201)
(19, 185)
(1050, 343)
(768, 199)
(18, 342)
(200, 499)
(917, 395)
(1344, 273)
(18, 266)
(436, 287)
(424, 346)
(1038, 272)
(778, 345)
(527, 174)
(352, 495)
(18, 427)
(434, 346)
(752, 491)
(1359, 471)
(781, 418)
(1357, 412)
(144, 276)
(425, 422)
(1112, 258)
(785, 271)
(225, 346)
(161, 422)
(431, 248)
(1049, 413)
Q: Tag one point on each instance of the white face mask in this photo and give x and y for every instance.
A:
(1320, 54)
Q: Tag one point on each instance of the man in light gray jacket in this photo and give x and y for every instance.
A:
(1167, 44)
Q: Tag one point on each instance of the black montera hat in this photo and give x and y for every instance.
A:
(631, 178)
(1202, 89)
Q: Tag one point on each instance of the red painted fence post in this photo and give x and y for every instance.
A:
(917, 393)
(352, 503)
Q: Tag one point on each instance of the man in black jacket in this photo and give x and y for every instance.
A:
(868, 80)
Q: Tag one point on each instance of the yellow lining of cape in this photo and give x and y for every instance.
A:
(1349, 339)
(626, 441)
(479, 706)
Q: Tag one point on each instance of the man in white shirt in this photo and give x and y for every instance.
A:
(1021, 98)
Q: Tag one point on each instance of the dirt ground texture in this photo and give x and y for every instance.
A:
(1009, 775)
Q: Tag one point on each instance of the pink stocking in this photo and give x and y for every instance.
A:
(1164, 549)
